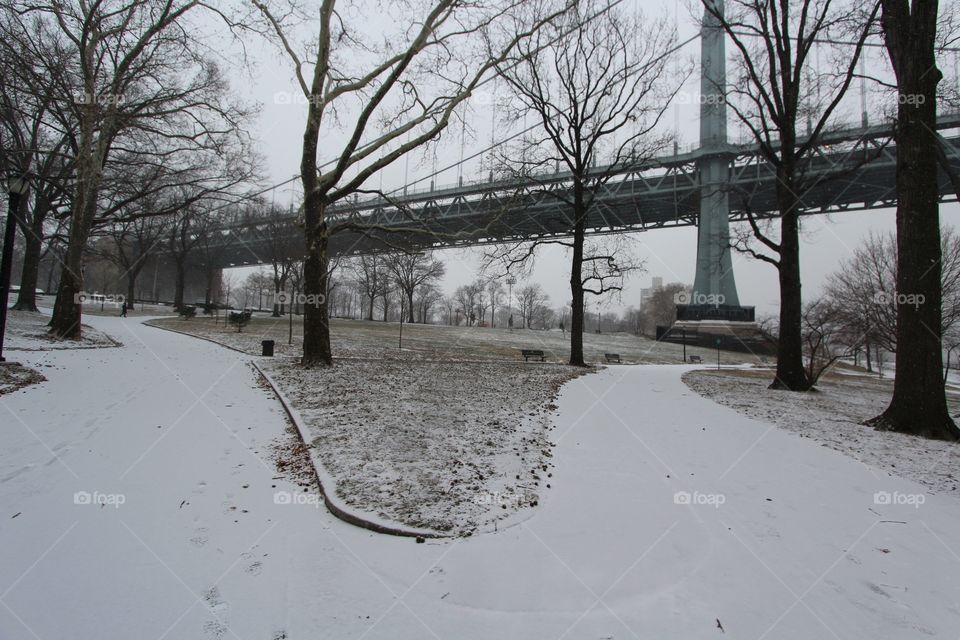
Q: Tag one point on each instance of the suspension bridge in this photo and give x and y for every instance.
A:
(717, 182)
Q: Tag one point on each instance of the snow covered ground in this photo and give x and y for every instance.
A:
(833, 416)
(366, 339)
(447, 447)
(14, 375)
(140, 499)
(27, 331)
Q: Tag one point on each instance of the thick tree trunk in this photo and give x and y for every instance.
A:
(30, 273)
(919, 405)
(67, 310)
(316, 325)
(576, 284)
(410, 318)
(790, 371)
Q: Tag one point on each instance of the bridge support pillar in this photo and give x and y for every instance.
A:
(714, 284)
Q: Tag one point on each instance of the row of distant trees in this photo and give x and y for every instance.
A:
(386, 286)
(857, 315)
(127, 129)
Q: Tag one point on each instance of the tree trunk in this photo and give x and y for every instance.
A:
(866, 345)
(410, 318)
(276, 303)
(210, 274)
(790, 375)
(65, 323)
(576, 283)
(180, 285)
(919, 405)
(316, 325)
(67, 311)
(30, 273)
(51, 271)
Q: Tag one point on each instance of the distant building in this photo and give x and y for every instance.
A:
(645, 294)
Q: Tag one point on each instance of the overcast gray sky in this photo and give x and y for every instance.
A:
(668, 253)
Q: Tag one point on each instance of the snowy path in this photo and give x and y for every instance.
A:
(199, 549)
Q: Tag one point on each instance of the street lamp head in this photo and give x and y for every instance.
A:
(18, 184)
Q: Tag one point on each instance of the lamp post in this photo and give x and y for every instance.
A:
(17, 187)
(510, 282)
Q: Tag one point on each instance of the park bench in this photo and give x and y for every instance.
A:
(240, 317)
(696, 359)
(533, 353)
(612, 357)
(188, 311)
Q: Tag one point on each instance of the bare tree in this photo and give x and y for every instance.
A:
(133, 242)
(494, 294)
(772, 94)
(428, 295)
(195, 240)
(138, 84)
(919, 403)
(370, 275)
(30, 143)
(531, 299)
(466, 300)
(822, 338)
(411, 85)
(660, 309)
(281, 250)
(597, 86)
(411, 271)
(864, 293)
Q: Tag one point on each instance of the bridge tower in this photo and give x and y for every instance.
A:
(713, 315)
(714, 283)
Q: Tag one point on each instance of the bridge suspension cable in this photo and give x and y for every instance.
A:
(493, 146)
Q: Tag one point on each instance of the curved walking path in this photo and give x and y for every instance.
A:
(781, 538)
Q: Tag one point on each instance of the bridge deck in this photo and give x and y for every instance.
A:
(852, 169)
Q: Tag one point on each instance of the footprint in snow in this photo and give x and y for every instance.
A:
(200, 539)
(212, 598)
(215, 629)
